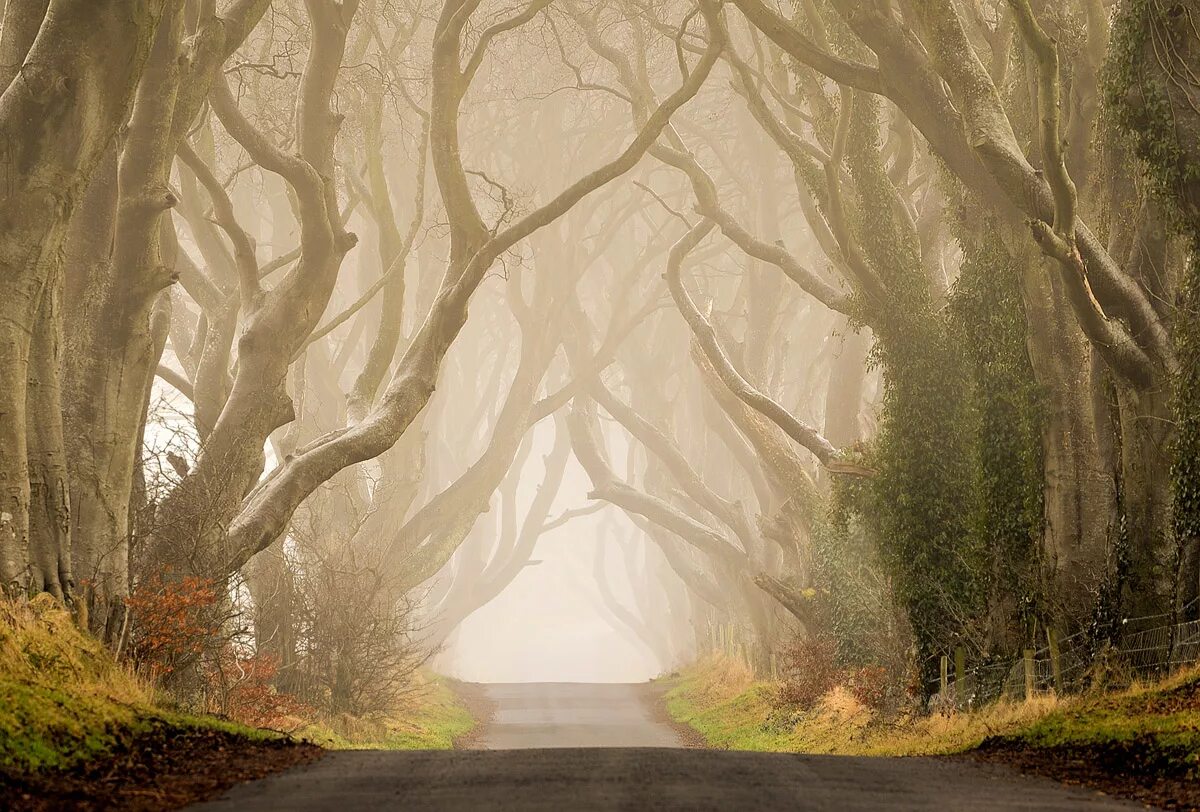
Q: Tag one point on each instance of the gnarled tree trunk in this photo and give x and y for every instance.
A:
(58, 116)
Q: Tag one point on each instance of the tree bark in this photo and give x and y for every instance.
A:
(122, 336)
(49, 517)
(843, 399)
(57, 118)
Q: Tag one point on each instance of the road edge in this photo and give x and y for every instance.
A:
(655, 698)
(474, 697)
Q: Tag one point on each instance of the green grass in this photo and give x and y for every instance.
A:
(437, 722)
(63, 699)
(45, 728)
(744, 721)
(1159, 725)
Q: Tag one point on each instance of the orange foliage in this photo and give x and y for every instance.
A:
(869, 685)
(172, 622)
(811, 671)
(177, 628)
(240, 687)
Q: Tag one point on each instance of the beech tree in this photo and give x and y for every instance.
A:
(953, 90)
(71, 67)
(868, 322)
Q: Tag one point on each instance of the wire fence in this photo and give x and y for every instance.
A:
(1142, 648)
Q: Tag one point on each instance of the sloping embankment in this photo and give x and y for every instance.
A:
(78, 731)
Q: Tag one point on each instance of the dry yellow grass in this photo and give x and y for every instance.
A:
(429, 716)
(41, 645)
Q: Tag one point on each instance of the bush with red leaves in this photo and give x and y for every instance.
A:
(811, 670)
(241, 688)
(179, 638)
(172, 623)
(869, 685)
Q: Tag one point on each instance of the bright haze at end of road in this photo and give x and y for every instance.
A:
(551, 624)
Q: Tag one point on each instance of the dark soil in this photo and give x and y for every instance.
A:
(1139, 770)
(1184, 697)
(165, 769)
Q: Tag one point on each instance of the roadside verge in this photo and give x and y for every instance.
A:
(1141, 743)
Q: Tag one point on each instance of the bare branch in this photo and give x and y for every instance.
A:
(706, 338)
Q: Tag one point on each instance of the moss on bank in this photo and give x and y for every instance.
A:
(1152, 729)
(64, 701)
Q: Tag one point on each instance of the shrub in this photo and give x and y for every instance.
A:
(810, 671)
(173, 622)
(869, 685)
(182, 636)
(240, 687)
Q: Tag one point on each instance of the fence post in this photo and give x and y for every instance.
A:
(1029, 680)
(1055, 659)
(960, 676)
(945, 675)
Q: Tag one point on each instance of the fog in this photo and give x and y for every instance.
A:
(550, 626)
(551, 623)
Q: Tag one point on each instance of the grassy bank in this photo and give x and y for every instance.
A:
(1143, 742)
(64, 701)
(720, 699)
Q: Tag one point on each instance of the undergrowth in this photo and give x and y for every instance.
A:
(64, 700)
(429, 717)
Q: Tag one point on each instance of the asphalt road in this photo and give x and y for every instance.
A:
(568, 714)
(604, 747)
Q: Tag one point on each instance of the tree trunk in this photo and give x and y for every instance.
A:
(49, 514)
(843, 400)
(271, 586)
(57, 117)
(1150, 559)
(1080, 488)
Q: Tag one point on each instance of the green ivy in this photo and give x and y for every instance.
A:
(1008, 520)
(922, 496)
(1185, 469)
(954, 516)
(856, 603)
(1138, 102)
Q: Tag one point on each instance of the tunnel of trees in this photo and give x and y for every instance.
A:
(868, 321)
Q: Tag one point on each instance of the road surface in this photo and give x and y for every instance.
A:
(604, 747)
(568, 714)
